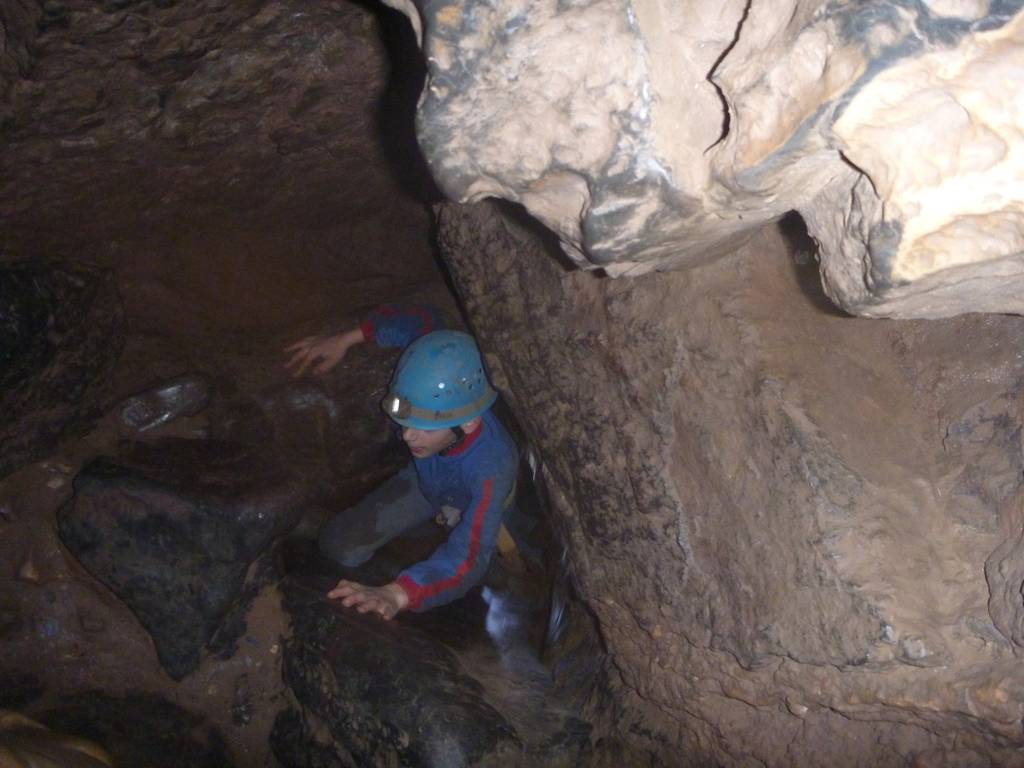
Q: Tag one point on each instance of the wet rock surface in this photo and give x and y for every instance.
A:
(385, 691)
(61, 331)
(328, 428)
(799, 531)
(141, 730)
(448, 688)
(172, 528)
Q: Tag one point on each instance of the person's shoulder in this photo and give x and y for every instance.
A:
(497, 429)
(495, 449)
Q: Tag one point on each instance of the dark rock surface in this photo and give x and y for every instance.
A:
(799, 531)
(386, 692)
(61, 330)
(18, 690)
(249, 173)
(141, 730)
(332, 429)
(172, 528)
(25, 743)
(239, 164)
(447, 688)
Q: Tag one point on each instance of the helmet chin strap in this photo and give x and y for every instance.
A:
(460, 435)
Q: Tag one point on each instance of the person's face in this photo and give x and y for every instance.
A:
(426, 442)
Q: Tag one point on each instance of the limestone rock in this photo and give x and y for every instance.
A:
(172, 528)
(799, 531)
(61, 330)
(651, 136)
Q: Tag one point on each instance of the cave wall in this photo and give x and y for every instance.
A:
(799, 531)
(236, 175)
(241, 166)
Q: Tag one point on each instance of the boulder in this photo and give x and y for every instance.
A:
(172, 528)
(457, 686)
(387, 693)
(799, 531)
(651, 135)
(61, 331)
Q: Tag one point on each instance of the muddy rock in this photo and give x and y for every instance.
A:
(332, 427)
(462, 684)
(226, 158)
(385, 691)
(798, 531)
(173, 528)
(61, 331)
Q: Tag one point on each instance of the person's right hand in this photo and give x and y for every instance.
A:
(321, 352)
(387, 600)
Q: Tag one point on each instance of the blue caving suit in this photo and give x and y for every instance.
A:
(476, 476)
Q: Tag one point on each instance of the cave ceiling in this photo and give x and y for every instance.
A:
(654, 135)
(648, 136)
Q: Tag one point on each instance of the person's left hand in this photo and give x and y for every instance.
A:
(387, 600)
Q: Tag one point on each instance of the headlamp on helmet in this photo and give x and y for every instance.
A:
(439, 383)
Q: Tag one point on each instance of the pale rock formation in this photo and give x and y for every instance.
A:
(651, 135)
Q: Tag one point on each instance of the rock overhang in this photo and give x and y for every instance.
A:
(651, 137)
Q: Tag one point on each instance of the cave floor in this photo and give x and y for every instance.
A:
(501, 635)
(76, 657)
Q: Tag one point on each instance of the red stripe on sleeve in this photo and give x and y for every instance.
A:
(368, 330)
(418, 593)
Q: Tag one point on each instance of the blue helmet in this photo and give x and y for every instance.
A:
(439, 382)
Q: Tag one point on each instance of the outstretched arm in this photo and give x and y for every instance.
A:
(390, 325)
(321, 352)
(461, 562)
(452, 570)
